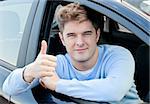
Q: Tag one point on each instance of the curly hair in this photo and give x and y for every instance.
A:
(75, 12)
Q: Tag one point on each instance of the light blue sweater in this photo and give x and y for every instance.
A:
(111, 79)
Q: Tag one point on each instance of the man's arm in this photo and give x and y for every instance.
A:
(22, 79)
(118, 81)
(15, 84)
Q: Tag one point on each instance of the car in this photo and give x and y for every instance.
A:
(25, 23)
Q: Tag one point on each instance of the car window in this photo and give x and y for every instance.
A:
(13, 17)
(123, 29)
(142, 5)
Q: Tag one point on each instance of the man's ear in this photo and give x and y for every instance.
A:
(98, 32)
(61, 38)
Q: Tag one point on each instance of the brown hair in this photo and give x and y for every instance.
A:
(77, 12)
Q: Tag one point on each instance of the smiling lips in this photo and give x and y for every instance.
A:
(81, 49)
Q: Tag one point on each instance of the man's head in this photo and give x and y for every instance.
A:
(79, 32)
(76, 12)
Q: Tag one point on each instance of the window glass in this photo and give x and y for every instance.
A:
(123, 29)
(109, 24)
(143, 5)
(13, 17)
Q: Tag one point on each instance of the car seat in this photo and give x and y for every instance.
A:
(142, 72)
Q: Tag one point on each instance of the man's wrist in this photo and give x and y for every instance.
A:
(23, 74)
(26, 75)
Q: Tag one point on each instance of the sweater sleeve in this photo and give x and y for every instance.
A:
(14, 83)
(118, 81)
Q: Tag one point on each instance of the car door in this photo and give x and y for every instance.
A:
(20, 24)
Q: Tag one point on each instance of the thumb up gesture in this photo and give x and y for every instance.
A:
(43, 66)
(43, 47)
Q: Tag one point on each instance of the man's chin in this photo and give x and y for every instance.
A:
(81, 59)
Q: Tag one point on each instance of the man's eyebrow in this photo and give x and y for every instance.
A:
(87, 32)
(82, 33)
(70, 33)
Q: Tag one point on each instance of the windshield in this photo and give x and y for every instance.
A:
(142, 5)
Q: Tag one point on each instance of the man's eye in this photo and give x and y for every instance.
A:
(87, 34)
(71, 35)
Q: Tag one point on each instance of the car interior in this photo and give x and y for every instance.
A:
(110, 34)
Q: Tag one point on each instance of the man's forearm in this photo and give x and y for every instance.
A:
(14, 83)
(94, 90)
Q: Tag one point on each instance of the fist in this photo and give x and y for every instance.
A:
(50, 82)
(44, 65)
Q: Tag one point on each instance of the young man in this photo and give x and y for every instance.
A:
(87, 71)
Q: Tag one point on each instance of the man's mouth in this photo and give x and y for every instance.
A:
(81, 49)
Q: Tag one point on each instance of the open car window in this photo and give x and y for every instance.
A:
(112, 33)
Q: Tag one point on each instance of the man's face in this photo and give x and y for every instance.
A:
(80, 40)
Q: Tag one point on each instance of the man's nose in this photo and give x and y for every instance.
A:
(80, 41)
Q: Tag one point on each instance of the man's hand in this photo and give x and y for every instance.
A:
(50, 82)
(43, 66)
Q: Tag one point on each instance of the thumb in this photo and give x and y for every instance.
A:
(43, 47)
